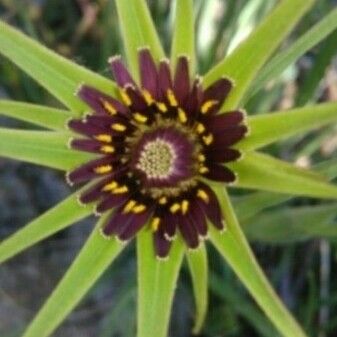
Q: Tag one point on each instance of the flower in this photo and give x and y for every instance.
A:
(158, 146)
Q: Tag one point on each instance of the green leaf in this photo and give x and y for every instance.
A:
(47, 117)
(138, 31)
(93, 259)
(198, 266)
(156, 284)
(57, 218)
(282, 60)
(233, 246)
(183, 42)
(268, 128)
(40, 147)
(263, 172)
(248, 58)
(58, 75)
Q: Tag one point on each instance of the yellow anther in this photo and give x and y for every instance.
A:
(148, 97)
(184, 206)
(125, 97)
(175, 208)
(155, 223)
(118, 127)
(203, 170)
(109, 187)
(171, 97)
(139, 117)
(207, 106)
(162, 201)
(208, 139)
(161, 106)
(103, 169)
(201, 157)
(139, 208)
(203, 195)
(107, 149)
(182, 115)
(200, 128)
(120, 190)
(104, 138)
(109, 107)
(129, 206)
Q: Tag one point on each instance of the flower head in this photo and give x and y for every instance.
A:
(158, 145)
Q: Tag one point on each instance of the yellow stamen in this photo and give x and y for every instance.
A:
(107, 149)
(207, 106)
(148, 97)
(109, 187)
(162, 201)
(109, 107)
(171, 97)
(103, 169)
(125, 97)
(175, 208)
(203, 195)
(208, 139)
(139, 117)
(203, 169)
(182, 115)
(184, 206)
(200, 128)
(201, 157)
(161, 106)
(120, 190)
(129, 206)
(139, 208)
(104, 138)
(118, 127)
(155, 223)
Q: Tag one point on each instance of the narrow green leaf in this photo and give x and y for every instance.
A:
(282, 60)
(58, 75)
(157, 281)
(40, 147)
(198, 266)
(263, 172)
(268, 128)
(93, 259)
(233, 246)
(248, 58)
(138, 31)
(47, 117)
(57, 218)
(183, 42)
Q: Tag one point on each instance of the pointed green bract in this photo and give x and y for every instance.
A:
(248, 58)
(94, 258)
(138, 31)
(57, 218)
(198, 266)
(157, 281)
(58, 75)
(40, 147)
(282, 60)
(271, 127)
(183, 42)
(263, 172)
(47, 117)
(233, 246)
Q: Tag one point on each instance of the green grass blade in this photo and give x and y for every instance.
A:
(198, 266)
(268, 128)
(138, 31)
(233, 246)
(263, 172)
(247, 59)
(183, 42)
(47, 117)
(282, 60)
(157, 281)
(40, 147)
(94, 258)
(57, 218)
(58, 75)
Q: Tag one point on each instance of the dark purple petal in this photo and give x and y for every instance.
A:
(169, 225)
(165, 79)
(93, 193)
(217, 123)
(84, 128)
(117, 222)
(162, 245)
(198, 218)
(221, 173)
(148, 72)
(194, 100)
(188, 232)
(111, 201)
(229, 136)
(120, 72)
(181, 83)
(138, 102)
(87, 145)
(223, 155)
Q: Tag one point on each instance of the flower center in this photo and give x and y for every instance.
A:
(157, 159)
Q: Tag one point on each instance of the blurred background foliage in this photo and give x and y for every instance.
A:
(295, 239)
